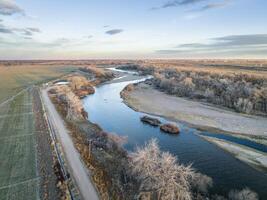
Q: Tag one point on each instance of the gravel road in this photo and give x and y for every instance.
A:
(76, 166)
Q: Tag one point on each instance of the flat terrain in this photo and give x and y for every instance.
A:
(76, 166)
(14, 78)
(146, 99)
(18, 166)
(21, 142)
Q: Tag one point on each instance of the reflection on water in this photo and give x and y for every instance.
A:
(106, 108)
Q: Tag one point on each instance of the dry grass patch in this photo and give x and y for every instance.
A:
(16, 77)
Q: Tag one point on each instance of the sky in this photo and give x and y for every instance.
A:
(132, 29)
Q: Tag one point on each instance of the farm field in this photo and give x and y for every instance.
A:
(18, 168)
(13, 78)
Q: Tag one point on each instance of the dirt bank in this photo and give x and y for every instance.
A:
(101, 152)
(146, 99)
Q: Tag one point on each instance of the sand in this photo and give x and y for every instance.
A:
(250, 156)
(146, 99)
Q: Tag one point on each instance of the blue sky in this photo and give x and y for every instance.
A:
(83, 29)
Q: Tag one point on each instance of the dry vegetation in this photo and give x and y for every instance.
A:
(14, 77)
(80, 85)
(107, 159)
(147, 173)
(161, 176)
(73, 105)
(99, 75)
(235, 88)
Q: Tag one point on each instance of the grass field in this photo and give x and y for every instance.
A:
(16, 77)
(19, 158)
(18, 170)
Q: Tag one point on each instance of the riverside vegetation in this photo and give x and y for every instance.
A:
(119, 174)
(244, 92)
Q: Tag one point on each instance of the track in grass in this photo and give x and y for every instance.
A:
(18, 169)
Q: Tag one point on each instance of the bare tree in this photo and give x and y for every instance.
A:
(245, 194)
(160, 174)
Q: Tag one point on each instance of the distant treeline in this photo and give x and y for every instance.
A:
(246, 93)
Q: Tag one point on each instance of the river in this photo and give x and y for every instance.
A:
(107, 109)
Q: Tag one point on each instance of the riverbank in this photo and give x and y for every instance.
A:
(115, 117)
(145, 99)
(252, 157)
(101, 152)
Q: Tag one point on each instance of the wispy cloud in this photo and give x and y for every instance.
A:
(176, 3)
(35, 30)
(230, 41)
(114, 31)
(253, 44)
(213, 6)
(5, 30)
(22, 31)
(9, 7)
(204, 4)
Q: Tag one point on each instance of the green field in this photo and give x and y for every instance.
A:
(18, 168)
(14, 78)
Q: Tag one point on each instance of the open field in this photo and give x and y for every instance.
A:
(18, 168)
(13, 78)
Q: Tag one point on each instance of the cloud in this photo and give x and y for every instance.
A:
(213, 6)
(230, 41)
(237, 44)
(9, 7)
(27, 38)
(209, 6)
(114, 31)
(23, 31)
(5, 30)
(176, 3)
(106, 26)
(35, 30)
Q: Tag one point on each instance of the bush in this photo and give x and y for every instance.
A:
(242, 92)
(245, 194)
(162, 177)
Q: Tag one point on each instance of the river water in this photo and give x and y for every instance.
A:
(106, 108)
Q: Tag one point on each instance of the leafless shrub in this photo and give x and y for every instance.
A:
(242, 92)
(202, 182)
(99, 73)
(245, 194)
(72, 103)
(77, 82)
(160, 174)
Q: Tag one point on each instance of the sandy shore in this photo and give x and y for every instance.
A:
(146, 99)
(251, 156)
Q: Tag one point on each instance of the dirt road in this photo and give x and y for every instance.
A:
(76, 166)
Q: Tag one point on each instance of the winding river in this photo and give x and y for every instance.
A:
(107, 109)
